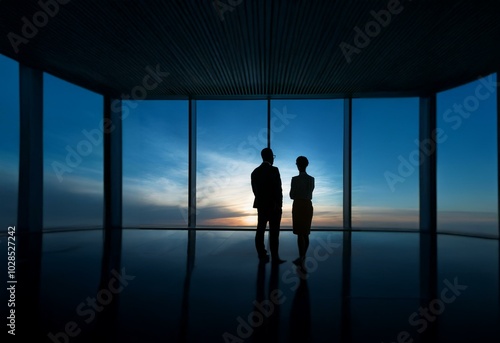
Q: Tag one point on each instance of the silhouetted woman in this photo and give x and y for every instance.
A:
(302, 210)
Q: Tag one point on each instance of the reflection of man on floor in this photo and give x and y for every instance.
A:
(266, 186)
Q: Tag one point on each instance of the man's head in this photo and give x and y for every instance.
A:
(267, 155)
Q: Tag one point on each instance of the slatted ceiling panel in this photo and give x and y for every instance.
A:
(289, 39)
(330, 61)
(439, 61)
(301, 58)
(412, 49)
(201, 55)
(262, 48)
(206, 57)
(381, 55)
(255, 25)
(322, 25)
(342, 70)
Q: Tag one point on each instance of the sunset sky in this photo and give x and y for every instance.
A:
(230, 135)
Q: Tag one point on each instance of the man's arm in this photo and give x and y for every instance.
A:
(252, 181)
(279, 189)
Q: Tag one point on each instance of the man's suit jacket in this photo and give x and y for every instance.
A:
(266, 186)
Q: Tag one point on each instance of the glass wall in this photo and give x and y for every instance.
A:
(9, 141)
(231, 135)
(73, 156)
(385, 163)
(467, 184)
(312, 128)
(155, 163)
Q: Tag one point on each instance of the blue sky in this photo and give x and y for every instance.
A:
(230, 135)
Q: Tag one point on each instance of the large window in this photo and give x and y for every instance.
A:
(73, 156)
(467, 158)
(311, 128)
(231, 135)
(9, 141)
(155, 163)
(385, 163)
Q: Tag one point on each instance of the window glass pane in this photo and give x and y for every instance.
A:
(231, 135)
(73, 156)
(155, 163)
(467, 181)
(9, 141)
(385, 163)
(314, 129)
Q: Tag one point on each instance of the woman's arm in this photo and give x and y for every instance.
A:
(292, 190)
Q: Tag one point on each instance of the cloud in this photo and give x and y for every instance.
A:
(76, 202)
(383, 217)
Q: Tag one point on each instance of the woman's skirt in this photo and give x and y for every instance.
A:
(302, 213)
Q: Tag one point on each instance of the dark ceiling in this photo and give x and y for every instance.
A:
(256, 48)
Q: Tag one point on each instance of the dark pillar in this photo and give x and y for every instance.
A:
(27, 240)
(112, 230)
(428, 211)
(347, 203)
(428, 241)
(192, 165)
(30, 199)
(191, 246)
(112, 164)
(427, 133)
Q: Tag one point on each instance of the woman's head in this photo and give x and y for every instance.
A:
(302, 163)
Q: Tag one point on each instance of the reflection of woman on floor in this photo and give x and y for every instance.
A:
(300, 315)
(302, 210)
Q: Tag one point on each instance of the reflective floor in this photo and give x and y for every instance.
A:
(208, 286)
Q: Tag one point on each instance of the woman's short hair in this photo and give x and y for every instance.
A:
(302, 162)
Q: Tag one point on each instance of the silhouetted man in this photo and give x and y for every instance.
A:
(266, 186)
